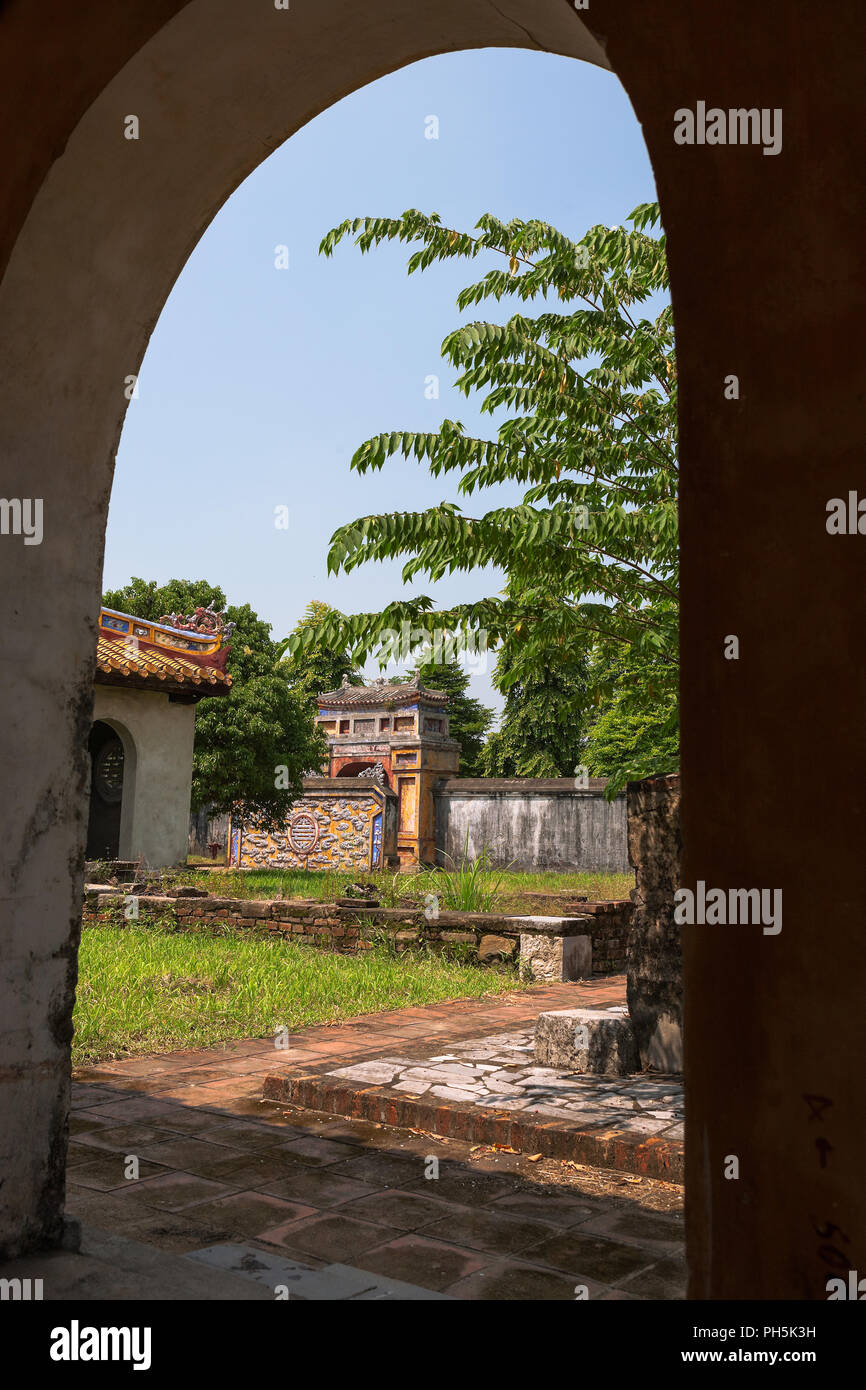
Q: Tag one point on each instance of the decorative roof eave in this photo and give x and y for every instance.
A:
(379, 697)
(125, 625)
(188, 690)
(141, 655)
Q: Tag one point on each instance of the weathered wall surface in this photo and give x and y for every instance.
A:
(206, 828)
(655, 957)
(157, 772)
(357, 830)
(532, 823)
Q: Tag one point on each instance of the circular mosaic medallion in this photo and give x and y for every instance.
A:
(108, 770)
(303, 833)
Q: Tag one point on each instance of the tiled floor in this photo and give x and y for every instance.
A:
(216, 1165)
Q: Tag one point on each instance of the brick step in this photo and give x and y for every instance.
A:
(598, 1147)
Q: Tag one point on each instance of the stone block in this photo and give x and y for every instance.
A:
(544, 926)
(555, 958)
(493, 948)
(586, 1040)
(255, 909)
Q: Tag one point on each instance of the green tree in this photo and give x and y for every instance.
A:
(468, 719)
(252, 746)
(543, 724)
(621, 740)
(621, 737)
(590, 389)
(311, 670)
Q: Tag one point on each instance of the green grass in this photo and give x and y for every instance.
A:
(146, 988)
(514, 892)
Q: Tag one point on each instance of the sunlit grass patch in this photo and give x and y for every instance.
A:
(144, 987)
(513, 891)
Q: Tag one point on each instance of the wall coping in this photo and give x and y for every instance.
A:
(521, 786)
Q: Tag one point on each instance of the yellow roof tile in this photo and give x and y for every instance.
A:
(119, 659)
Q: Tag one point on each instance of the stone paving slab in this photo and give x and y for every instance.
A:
(221, 1165)
(491, 1090)
(332, 1283)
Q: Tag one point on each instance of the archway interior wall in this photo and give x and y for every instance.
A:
(769, 282)
(106, 816)
(130, 782)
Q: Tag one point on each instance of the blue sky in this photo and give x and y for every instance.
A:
(259, 384)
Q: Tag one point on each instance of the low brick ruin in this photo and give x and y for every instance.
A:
(546, 946)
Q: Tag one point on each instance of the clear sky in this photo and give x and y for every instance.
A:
(259, 383)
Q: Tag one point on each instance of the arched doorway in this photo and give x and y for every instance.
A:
(97, 225)
(365, 767)
(106, 792)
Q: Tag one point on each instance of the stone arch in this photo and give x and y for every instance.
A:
(356, 766)
(94, 230)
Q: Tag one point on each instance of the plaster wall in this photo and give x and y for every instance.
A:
(530, 829)
(157, 775)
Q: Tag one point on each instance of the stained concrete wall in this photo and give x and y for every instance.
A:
(157, 771)
(532, 823)
(207, 827)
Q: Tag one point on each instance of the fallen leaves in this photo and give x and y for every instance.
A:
(493, 1149)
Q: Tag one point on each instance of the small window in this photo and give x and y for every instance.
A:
(384, 725)
(365, 726)
(108, 770)
(405, 721)
(344, 726)
(432, 726)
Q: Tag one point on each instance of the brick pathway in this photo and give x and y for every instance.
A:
(218, 1166)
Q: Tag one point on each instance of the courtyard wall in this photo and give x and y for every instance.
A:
(532, 823)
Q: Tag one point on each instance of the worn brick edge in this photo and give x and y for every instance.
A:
(650, 1157)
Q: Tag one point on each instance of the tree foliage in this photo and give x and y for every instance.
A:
(320, 666)
(543, 724)
(245, 738)
(589, 387)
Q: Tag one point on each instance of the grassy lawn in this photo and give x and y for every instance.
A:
(536, 893)
(144, 988)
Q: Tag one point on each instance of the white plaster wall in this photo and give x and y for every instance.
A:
(157, 776)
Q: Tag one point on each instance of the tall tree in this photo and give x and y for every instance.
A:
(319, 666)
(468, 719)
(252, 746)
(591, 553)
(621, 737)
(542, 732)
